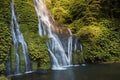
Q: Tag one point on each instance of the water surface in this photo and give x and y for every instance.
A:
(88, 72)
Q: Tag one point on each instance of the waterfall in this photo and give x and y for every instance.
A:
(77, 45)
(70, 47)
(59, 56)
(18, 40)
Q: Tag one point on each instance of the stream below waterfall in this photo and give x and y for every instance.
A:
(88, 72)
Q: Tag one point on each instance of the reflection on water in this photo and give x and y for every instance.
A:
(63, 75)
(88, 72)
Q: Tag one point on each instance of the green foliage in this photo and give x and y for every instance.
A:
(110, 8)
(27, 17)
(2, 68)
(28, 21)
(5, 12)
(78, 57)
(100, 44)
(38, 51)
(85, 10)
(96, 23)
(60, 14)
(5, 34)
(77, 9)
(90, 33)
(60, 10)
(5, 42)
(75, 26)
(3, 78)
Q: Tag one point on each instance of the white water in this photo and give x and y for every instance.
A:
(18, 40)
(59, 57)
(77, 45)
(70, 47)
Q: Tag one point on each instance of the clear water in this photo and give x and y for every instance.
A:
(88, 72)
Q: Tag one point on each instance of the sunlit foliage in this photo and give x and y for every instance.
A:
(96, 23)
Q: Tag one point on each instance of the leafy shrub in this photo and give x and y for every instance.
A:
(60, 10)
(3, 78)
(100, 42)
(90, 33)
(38, 51)
(5, 42)
(78, 57)
(5, 34)
(27, 17)
(2, 68)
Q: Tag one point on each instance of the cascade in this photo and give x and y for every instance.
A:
(18, 40)
(77, 45)
(70, 47)
(60, 57)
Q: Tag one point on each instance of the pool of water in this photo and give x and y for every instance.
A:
(88, 72)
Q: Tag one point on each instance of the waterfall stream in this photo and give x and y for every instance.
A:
(59, 47)
(60, 58)
(18, 40)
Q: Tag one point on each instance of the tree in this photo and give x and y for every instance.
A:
(60, 10)
(110, 8)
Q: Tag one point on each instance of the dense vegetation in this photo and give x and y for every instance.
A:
(39, 51)
(5, 33)
(95, 22)
(28, 21)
